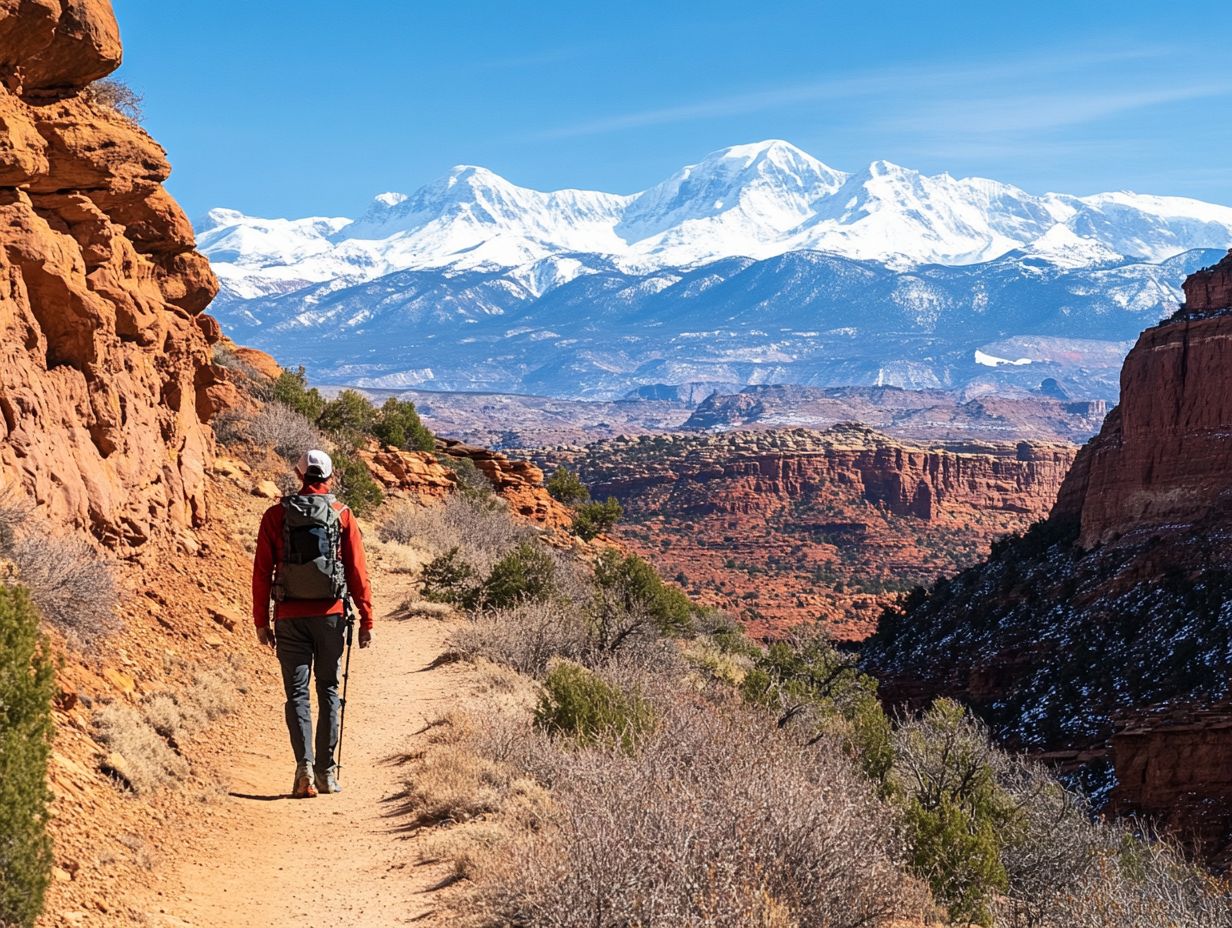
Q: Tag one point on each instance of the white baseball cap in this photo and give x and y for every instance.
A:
(318, 462)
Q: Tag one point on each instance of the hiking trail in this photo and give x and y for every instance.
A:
(256, 858)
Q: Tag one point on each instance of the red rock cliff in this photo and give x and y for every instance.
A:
(102, 353)
(1163, 457)
(796, 525)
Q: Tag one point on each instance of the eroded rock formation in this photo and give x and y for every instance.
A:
(102, 351)
(1102, 638)
(795, 525)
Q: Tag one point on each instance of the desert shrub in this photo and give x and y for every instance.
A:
(291, 390)
(525, 574)
(956, 815)
(472, 484)
(482, 531)
(350, 416)
(72, 585)
(288, 432)
(714, 820)
(27, 681)
(565, 487)
(116, 95)
(209, 695)
(140, 758)
(448, 578)
(399, 426)
(528, 636)
(579, 704)
(806, 677)
(594, 518)
(353, 483)
(626, 584)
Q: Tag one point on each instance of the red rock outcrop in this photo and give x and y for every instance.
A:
(419, 475)
(1210, 289)
(795, 525)
(1175, 766)
(1163, 456)
(102, 359)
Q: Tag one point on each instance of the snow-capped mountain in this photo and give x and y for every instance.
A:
(751, 241)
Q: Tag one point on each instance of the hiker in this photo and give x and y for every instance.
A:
(309, 557)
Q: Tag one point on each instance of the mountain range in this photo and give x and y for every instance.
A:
(759, 264)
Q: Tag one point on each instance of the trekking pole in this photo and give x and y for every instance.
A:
(346, 673)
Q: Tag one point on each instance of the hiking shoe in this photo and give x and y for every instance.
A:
(327, 781)
(304, 787)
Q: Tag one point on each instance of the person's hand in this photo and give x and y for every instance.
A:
(365, 637)
(266, 637)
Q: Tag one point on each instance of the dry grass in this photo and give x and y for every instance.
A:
(71, 583)
(715, 821)
(144, 741)
(139, 758)
(480, 528)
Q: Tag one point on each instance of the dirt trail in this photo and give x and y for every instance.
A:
(260, 858)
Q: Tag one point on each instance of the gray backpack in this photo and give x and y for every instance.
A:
(311, 566)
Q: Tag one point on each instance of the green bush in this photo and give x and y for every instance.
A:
(26, 683)
(956, 816)
(472, 485)
(580, 705)
(593, 519)
(525, 574)
(791, 675)
(291, 389)
(354, 485)
(565, 487)
(349, 415)
(637, 588)
(399, 426)
(449, 579)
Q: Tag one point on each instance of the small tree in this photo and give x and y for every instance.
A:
(565, 487)
(350, 416)
(353, 483)
(955, 814)
(118, 96)
(399, 426)
(26, 684)
(593, 519)
(525, 574)
(627, 584)
(291, 389)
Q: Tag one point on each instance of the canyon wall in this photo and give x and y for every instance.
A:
(794, 525)
(1162, 458)
(1101, 639)
(105, 366)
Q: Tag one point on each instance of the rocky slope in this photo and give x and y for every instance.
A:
(1103, 637)
(105, 371)
(787, 526)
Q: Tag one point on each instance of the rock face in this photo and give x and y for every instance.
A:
(100, 291)
(794, 525)
(1163, 457)
(1103, 636)
(420, 476)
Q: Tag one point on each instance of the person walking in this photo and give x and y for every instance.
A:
(309, 558)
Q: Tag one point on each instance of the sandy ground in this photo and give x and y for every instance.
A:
(257, 857)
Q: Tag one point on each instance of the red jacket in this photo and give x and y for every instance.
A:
(269, 555)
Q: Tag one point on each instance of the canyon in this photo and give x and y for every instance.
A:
(1100, 639)
(792, 526)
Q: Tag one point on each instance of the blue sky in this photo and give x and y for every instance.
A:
(310, 108)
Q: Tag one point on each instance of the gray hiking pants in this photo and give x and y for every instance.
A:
(301, 643)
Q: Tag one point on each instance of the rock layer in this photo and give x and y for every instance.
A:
(102, 359)
(795, 525)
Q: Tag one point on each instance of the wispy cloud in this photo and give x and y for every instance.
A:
(893, 84)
